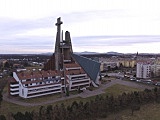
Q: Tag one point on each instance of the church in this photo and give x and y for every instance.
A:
(64, 71)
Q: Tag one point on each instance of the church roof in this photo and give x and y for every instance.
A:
(91, 67)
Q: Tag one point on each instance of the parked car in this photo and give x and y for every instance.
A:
(157, 84)
(139, 80)
(148, 81)
(133, 79)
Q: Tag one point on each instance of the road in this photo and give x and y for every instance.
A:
(84, 94)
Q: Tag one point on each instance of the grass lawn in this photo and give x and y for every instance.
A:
(147, 112)
(7, 107)
(118, 89)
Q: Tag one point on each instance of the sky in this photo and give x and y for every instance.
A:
(125, 26)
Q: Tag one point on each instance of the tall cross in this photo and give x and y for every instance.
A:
(57, 45)
(59, 22)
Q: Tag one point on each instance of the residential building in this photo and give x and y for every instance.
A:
(34, 84)
(128, 63)
(143, 70)
(155, 70)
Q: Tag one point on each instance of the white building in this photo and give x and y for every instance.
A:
(28, 85)
(143, 70)
(76, 77)
(39, 83)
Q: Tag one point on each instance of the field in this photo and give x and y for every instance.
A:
(7, 107)
(118, 89)
(147, 112)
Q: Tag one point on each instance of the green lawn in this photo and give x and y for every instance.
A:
(118, 89)
(7, 107)
(114, 90)
(147, 112)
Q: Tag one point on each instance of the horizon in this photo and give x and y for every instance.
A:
(124, 26)
(154, 37)
(83, 53)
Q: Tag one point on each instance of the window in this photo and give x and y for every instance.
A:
(28, 80)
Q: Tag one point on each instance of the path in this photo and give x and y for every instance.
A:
(84, 94)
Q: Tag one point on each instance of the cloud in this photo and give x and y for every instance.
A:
(27, 36)
(83, 16)
(123, 44)
(35, 44)
(12, 26)
(114, 40)
(29, 25)
(32, 44)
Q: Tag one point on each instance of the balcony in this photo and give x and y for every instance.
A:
(42, 94)
(43, 89)
(67, 60)
(74, 68)
(79, 84)
(14, 85)
(54, 80)
(14, 93)
(80, 79)
(44, 86)
(78, 75)
(14, 89)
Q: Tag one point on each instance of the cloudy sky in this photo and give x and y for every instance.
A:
(127, 26)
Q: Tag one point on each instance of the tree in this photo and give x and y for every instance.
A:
(9, 116)
(109, 68)
(1, 97)
(6, 65)
(42, 113)
(135, 107)
(63, 112)
(26, 64)
(80, 111)
(28, 115)
(56, 113)
(135, 102)
(67, 91)
(87, 112)
(120, 65)
(19, 116)
(2, 117)
(35, 115)
(49, 112)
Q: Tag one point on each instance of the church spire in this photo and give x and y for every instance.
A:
(57, 45)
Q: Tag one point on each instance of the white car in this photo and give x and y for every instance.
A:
(133, 79)
(157, 84)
